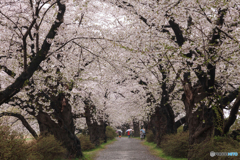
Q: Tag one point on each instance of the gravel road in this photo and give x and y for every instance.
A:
(126, 149)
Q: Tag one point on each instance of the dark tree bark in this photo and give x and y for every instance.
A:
(63, 130)
(152, 124)
(91, 123)
(8, 71)
(202, 125)
(136, 128)
(162, 121)
(102, 129)
(167, 116)
(158, 124)
(165, 108)
(145, 125)
(97, 131)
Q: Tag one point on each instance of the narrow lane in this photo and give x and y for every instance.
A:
(126, 149)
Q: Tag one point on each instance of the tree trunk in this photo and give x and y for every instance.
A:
(158, 125)
(200, 123)
(165, 108)
(162, 122)
(136, 128)
(168, 114)
(102, 130)
(201, 128)
(97, 131)
(63, 130)
(94, 133)
(153, 124)
(92, 125)
(123, 130)
(145, 125)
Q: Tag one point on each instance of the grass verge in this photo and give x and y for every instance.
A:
(91, 154)
(158, 151)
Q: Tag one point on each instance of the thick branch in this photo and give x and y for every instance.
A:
(25, 43)
(8, 71)
(177, 31)
(24, 122)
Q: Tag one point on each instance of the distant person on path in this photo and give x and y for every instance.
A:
(142, 132)
(119, 134)
(141, 135)
(128, 134)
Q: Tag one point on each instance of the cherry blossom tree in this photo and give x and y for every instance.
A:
(26, 26)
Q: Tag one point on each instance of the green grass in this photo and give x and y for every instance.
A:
(91, 154)
(29, 139)
(158, 151)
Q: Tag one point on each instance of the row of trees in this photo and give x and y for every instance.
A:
(198, 43)
(112, 61)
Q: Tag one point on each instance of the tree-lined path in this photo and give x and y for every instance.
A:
(70, 67)
(126, 149)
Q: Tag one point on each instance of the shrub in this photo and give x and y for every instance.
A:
(11, 146)
(180, 129)
(175, 145)
(85, 142)
(216, 144)
(110, 133)
(150, 136)
(45, 148)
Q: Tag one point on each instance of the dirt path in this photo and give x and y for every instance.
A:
(126, 149)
